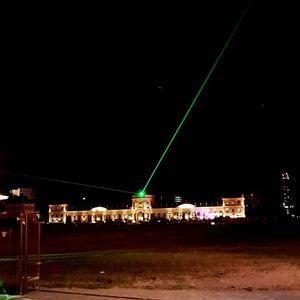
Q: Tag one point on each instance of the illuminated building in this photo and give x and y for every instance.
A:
(287, 199)
(178, 199)
(16, 209)
(27, 192)
(143, 210)
(19, 203)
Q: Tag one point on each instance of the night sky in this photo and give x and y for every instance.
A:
(93, 94)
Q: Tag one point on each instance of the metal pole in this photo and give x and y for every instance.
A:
(26, 253)
(21, 257)
(38, 249)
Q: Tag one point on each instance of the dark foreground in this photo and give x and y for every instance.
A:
(140, 294)
(165, 260)
(90, 237)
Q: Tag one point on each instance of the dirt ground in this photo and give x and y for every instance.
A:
(264, 282)
(270, 240)
(142, 294)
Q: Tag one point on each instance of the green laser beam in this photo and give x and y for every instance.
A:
(197, 96)
(67, 182)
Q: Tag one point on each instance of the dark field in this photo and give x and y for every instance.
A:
(231, 256)
(169, 237)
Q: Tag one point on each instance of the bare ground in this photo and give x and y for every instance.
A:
(236, 257)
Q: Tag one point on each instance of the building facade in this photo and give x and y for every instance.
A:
(143, 210)
(288, 203)
(27, 192)
(20, 203)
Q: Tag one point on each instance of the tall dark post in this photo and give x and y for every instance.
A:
(21, 256)
(26, 253)
(38, 262)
